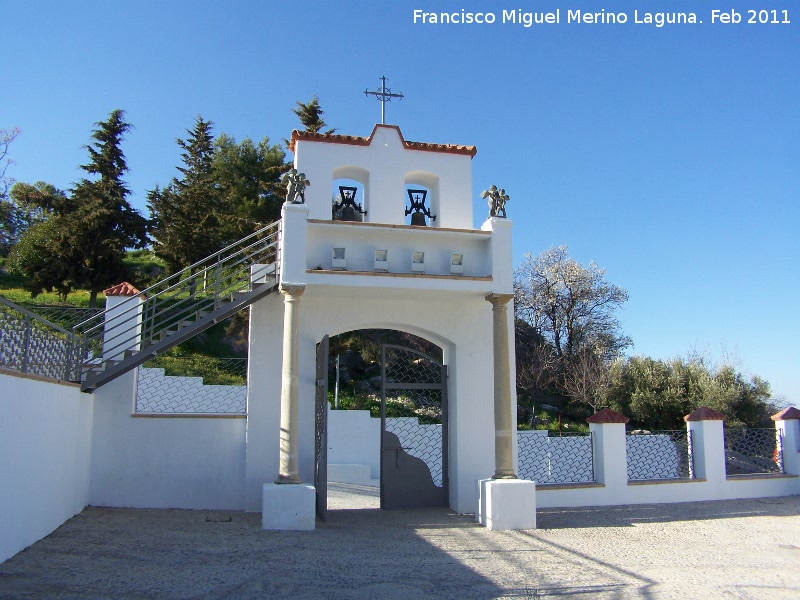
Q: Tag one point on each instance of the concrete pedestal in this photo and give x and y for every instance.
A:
(507, 504)
(288, 507)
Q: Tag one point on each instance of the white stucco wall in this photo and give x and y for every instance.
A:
(162, 462)
(354, 438)
(45, 433)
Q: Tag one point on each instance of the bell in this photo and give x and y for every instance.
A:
(418, 218)
(348, 213)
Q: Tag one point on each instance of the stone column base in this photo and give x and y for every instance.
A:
(507, 504)
(288, 507)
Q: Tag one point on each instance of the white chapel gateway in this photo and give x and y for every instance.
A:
(394, 249)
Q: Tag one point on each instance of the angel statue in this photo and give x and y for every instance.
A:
(295, 186)
(497, 201)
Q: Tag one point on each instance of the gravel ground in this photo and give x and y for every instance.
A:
(732, 549)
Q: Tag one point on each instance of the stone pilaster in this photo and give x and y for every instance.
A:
(289, 472)
(503, 433)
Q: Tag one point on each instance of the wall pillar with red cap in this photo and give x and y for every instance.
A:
(123, 320)
(788, 423)
(610, 459)
(708, 444)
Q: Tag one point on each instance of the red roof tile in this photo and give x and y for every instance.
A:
(705, 414)
(787, 414)
(122, 289)
(335, 138)
(606, 415)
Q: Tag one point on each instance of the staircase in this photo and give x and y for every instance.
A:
(177, 308)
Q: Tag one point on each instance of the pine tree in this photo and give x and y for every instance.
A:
(186, 214)
(104, 224)
(248, 176)
(310, 116)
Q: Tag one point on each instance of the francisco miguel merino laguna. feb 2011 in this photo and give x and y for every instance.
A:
(568, 16)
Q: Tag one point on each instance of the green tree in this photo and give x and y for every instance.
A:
(310, 115)
(45, 253)
(185, 216)
(657, 394)
(85, 233)
(33, 257)
(248, 181)
(20, 211)
(103, 223)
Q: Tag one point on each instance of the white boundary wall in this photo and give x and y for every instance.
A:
(178, 461)
(711, 482)
(45, 445)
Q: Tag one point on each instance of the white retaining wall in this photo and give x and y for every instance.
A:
(163, 462)
(45, 435)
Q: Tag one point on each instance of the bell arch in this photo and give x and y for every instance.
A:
(351, 175)
(429, 182)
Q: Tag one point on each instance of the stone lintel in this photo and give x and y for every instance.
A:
(787, 414)
(704, 414)
(606, 415)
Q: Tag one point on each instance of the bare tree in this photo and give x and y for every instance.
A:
(586, 377)
(537, 364)
(572, 306)
(6, 137)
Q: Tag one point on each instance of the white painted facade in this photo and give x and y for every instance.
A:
(448, 310)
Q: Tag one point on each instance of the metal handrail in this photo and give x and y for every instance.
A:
(179, 300)
(56, 346)
(28, 313)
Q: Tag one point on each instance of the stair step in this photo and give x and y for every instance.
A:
(165, 333)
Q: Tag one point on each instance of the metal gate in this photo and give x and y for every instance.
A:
(413, 429)
(321, 431)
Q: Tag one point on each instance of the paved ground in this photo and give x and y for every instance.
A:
(734, 549)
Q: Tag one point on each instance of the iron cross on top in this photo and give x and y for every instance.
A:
(385, 95)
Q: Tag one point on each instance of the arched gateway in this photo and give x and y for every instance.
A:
(440, 279)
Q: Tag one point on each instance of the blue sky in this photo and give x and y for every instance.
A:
(670, 156)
